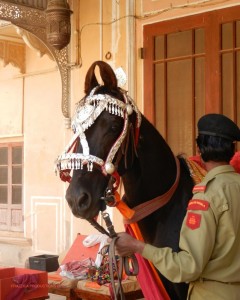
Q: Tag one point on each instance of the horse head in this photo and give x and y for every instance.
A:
(105, 124)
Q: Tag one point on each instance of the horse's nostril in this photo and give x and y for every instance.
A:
(83, 201)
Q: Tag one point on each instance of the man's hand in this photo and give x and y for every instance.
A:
(126, 245)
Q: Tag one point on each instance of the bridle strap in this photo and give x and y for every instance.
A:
(145, 209)
(97, 226)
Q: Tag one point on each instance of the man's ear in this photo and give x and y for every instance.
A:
(198, 151)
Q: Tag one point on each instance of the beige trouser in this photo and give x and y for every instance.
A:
(213, 290)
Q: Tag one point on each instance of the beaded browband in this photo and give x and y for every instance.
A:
(87, 111)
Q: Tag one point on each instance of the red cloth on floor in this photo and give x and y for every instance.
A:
(22, 284)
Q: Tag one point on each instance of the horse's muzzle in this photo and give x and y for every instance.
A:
(83, 206)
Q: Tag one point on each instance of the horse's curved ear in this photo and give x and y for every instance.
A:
(107, 74)
(90, 79)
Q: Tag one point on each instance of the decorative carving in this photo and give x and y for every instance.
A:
(62, 58)
(14, 53)
(58, 23)
(33, 42)
(39, 4)
(34, 21)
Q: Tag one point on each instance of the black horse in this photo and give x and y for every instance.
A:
(140, 156)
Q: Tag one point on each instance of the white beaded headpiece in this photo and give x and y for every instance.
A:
(86, 113)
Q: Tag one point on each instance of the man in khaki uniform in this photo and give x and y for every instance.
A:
(210, 235)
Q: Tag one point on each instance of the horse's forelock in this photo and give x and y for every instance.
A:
(107, 74)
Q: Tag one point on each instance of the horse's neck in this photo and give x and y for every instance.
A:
(154, 169)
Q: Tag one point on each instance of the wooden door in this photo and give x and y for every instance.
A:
(191, 67)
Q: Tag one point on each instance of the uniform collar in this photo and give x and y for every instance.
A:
(219, 170)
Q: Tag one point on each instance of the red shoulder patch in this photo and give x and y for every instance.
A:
(197, 204)
(193, 220)
(199, 188)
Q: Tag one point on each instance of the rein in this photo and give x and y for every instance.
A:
(113, 264)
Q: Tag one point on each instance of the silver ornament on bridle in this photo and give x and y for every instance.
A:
(86, 113)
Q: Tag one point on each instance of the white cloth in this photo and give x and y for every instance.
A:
(94, 239)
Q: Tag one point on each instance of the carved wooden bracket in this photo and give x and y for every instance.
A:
(34, 21)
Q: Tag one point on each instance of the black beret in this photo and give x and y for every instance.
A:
(218, 125)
